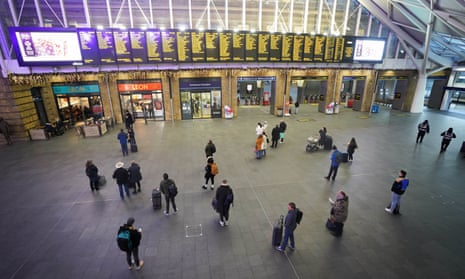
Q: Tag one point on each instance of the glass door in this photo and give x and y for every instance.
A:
(202, 104)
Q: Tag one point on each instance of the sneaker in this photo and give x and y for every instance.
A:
(388, 210)
(176, 211)
(327, 177)
(166, 213)
(131, 267)
(291, 247)
(204, 187)
(279, 248)
(221, 223)
(212, 187)
(226, 223)
(141, 264)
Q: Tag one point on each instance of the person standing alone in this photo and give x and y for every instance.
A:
(92, 173)
(210, 149)
(123, 140)
(128, 241)
(224, 197)
(169, 189)
(399, 186)
(423, 128)
(335, 161)
(290, 224)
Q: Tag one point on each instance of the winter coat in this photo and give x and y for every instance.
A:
(290, 222)
(92, 172)
(221, 195)
(210, 149)
(121, 175)
(134, 173)
(340, 210)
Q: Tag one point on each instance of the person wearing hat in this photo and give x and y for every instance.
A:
(135, 236)
(122, 179)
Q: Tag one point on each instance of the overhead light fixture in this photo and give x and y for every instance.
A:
(99, 27)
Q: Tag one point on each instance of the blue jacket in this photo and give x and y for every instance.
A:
(334, 162)
(123, 138)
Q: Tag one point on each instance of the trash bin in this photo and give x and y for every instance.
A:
(280, 111)
(375, 108)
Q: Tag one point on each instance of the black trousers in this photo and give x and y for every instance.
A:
(420, 136)
(333, 171)
(168, 199)
(135, 253)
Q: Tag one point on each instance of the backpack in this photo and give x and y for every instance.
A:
(214, 169)
(299, 215)
(172, 190)
(338, 157)
(124, 240)
(229, 199)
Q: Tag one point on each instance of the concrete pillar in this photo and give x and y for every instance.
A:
(419, 97)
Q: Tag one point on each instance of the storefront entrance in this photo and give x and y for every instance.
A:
(144, 99)
(258, 91)
(200, 98)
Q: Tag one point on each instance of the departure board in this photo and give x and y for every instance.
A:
(348, 53)
(198, 46)
(211, 46)
(338, 49)
(238, 46)
(298, 48)
(169, 48)
(251, 44)
(263, 52)
(184, 45)
(106, 46)
(329, 49)
(309, 45)
(225, 46)
(138, 46)
(319, 50)
(275, 47)
(287, 47)
(89, 46)
(154, 45)
(122, 46)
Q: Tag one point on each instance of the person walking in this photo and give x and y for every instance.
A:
(5, 130)
(398, 188)
(129, 240)
(92, 173)
(123, 140)
(335, 161)
(275, 136)
(338, 214)
(128, 120)
(122, 179)
(351, 146)
(211, 169)
(135, 176)
(282, 132)
(423, 128)
(447, 136)
(169, 189)
(290, 224)
(224, 198)
(296, 105)
(210, 149)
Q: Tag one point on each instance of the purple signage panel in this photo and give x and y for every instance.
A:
(169, 46)
(154, 45)
(36, 46)
(138, 46)
(89, 46)
(122, 46)
(200, 83)
(106, 46)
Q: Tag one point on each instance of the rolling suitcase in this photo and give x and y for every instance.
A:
(133, 147)
(345, 158)
(278, 232)
(156, 199)
(328, 144)
(462, 149)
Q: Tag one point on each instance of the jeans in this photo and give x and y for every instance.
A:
(134, 252)
(124, 149)
(126, 189)
(168, 199)
(333, 171)
(288, 234)
(395, 201)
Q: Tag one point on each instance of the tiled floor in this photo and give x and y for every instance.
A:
(53, 226)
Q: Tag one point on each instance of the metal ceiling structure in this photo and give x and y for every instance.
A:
(430, 33)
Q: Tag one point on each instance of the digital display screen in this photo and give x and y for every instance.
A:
(106, 46)
(89, 46)
(225, 46)
(184, 46)
(45, 46)
(122, 46)
(138, 46)
(369, 50)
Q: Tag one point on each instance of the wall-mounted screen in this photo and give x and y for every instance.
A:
(369, 50)
(45, 46)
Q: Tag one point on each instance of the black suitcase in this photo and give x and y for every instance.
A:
(156, 199)
(328, 143)
(278, 232)
(134, 147)
(345, 158)
(462, 149)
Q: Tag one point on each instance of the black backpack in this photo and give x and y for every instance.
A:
(338, 157)
(172, 190)
(124, 240)
(299, 215)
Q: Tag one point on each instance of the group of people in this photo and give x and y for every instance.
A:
(447, 136)
(262, 140)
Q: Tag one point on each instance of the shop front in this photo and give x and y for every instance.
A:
(143, 98)
(391, 91)
(77, 102)
(352, 91)
(200, 98)
(256, 91)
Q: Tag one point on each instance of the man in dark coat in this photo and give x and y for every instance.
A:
(224, 198)
(210, 149)
(275, 136)
(290, 224)
(283, 127)
(128, 120)
(165, 185)
(133, 251)
(135, 176)
(122, 179)
(92, 173)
